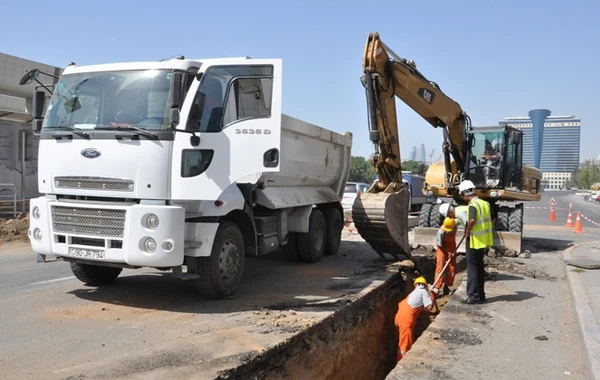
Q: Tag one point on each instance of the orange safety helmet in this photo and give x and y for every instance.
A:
(449, 224)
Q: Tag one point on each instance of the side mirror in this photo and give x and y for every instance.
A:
(39, 99)
(36, 126)
(29, 77)
(194, 140)
(175, 91)
(174, 117)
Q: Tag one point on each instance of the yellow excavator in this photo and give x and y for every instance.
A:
(490, 157)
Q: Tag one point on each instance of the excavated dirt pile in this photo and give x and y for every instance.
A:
(14, 230)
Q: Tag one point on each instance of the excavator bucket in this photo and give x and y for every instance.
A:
(382, 220)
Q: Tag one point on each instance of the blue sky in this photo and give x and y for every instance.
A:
(496, 59)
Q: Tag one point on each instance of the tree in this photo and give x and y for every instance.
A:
(416, 167)
(586, 175)
(361, 170)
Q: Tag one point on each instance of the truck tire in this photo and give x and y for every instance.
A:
(94, 274)
(333, 230)
(221, 272)
(311, 245)
(424, 215)
(515, 220)
(435, 218)
(502, 220)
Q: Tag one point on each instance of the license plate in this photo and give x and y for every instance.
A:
(86, 253)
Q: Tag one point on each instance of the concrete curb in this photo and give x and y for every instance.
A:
(589, 332)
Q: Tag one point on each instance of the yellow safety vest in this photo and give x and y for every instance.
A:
(481, 234)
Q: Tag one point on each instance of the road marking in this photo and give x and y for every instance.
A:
(55, 280)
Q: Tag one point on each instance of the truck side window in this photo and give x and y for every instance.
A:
(248, 98)
(248, 89)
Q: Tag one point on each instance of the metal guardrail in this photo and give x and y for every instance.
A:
(10, 198)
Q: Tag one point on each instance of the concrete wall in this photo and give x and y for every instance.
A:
(10, 159)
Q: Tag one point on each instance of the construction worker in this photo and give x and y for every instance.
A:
(409, 310)
(479, 238)
(445, 250)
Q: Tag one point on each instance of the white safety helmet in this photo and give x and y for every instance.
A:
(466, 187)
(444, 208)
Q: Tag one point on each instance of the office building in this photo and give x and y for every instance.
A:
(550, 143)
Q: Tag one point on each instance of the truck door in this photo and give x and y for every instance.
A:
(235, 109)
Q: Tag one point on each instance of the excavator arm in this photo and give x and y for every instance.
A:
(381, 214)
(388, 77)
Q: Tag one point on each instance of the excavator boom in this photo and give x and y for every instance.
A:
(381, 214)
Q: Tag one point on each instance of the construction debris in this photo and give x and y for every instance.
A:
(14, 230)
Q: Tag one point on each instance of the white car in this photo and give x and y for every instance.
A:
(351, 191)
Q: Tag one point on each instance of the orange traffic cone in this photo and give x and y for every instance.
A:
(552, 214)
(578, 228)
(569, 220)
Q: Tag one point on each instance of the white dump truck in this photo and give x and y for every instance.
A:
(181, 165)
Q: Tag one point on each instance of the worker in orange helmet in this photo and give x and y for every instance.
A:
(445, 250)
(409, 310)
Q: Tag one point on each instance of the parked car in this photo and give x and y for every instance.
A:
(352, 190)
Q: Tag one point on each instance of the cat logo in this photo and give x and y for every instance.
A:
(426, 95)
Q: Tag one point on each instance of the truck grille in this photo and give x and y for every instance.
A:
(88, 221)
(93, 183)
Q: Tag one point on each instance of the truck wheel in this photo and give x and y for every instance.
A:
(435, 218)
(312, 244)
(515, 220)
(221, 272)
(502, 220)
(424, 215)
(333, 230)
(94, 274)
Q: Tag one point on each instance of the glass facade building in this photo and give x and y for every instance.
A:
(550, 143)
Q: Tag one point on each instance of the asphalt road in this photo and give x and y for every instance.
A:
(146, 324)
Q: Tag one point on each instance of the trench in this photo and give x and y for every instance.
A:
(358, 341)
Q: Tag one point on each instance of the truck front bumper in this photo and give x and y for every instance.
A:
(132, 234)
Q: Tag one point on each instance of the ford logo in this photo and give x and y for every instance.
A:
(90, 153)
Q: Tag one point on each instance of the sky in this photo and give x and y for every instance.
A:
(495, 58)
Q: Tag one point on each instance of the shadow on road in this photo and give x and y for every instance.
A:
(506, 277)
(269, 281)
(519, 296)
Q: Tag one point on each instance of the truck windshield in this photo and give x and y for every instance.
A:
(116, 99)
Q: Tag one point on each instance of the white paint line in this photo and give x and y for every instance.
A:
(54, 280)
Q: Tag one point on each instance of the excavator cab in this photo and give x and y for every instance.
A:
(494, 159)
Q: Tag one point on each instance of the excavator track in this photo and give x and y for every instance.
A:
(382, 220)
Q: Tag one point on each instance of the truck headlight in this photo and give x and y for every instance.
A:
(37, 234)
(151, 221)
(149, 245)
(36, 212)
(493, 194)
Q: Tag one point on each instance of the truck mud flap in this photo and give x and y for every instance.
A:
(382, 221)
(425, 236)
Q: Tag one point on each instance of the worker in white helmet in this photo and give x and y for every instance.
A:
(479, 238)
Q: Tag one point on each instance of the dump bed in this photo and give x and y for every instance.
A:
(314, 166)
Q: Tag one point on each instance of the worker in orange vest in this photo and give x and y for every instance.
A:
(409, 310)
(445, 250)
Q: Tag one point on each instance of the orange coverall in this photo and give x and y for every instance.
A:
(449, 245)
(405, 321)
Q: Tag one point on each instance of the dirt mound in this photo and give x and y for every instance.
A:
(12, 230)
